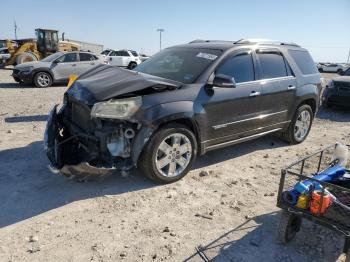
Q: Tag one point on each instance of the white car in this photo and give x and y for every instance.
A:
(332, 68)
(106, 52)
(4, 55)
(123, 58)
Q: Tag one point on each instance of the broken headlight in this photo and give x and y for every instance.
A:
(117, 109)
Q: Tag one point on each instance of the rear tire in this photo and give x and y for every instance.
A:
(288, 227)
(291, 135)
(42, 79)
(175, 163)
(132, 65)
(25, 57)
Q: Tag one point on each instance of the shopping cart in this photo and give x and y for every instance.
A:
(324, 203)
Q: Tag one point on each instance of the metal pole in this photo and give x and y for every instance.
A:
(348, 57)
(15, 29)
(160, 30)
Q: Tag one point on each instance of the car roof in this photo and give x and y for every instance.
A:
(225, 45)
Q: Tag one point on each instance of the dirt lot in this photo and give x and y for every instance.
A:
(231, 209)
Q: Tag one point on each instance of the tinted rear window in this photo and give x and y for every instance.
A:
(86, 57)
(272, 65)
(304, 61)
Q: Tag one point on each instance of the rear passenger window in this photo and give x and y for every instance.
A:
(304, 62)
(272, 65)
(86, 57)
(68, 58)
(124, 53)
(239, 67)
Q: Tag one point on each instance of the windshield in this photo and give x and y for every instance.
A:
(347, 72)
(52, 57)
(179, 64)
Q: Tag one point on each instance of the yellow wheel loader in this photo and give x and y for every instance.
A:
(14, 52)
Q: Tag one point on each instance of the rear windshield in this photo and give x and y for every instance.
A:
(179, 64)
(304, 61)
(134, 53)
(105, 52)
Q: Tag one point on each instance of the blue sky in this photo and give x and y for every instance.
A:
(322, 26)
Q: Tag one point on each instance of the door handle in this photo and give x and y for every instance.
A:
(74, 64)
(255, 93)
(92, 63)
(291, 87)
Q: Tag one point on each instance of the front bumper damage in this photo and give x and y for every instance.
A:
(108, 147)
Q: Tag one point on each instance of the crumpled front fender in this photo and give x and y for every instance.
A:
(50, 138)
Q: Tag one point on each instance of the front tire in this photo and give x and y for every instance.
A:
(300, 126)
(169, 154)
(42, 79)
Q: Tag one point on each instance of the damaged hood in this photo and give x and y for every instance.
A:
(105, 82)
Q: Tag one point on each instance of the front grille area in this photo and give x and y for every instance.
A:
(79, 115)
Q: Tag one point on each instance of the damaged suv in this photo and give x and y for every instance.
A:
(181, 103)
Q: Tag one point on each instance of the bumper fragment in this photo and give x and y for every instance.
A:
(84, 170)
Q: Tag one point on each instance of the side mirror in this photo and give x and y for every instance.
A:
(224, 81)
(55, 61)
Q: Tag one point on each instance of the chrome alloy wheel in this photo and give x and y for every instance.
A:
(302, 125)
(173, 155)
(43, 80)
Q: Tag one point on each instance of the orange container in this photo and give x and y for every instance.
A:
(316, 202)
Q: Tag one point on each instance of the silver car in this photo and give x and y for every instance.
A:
(55, 68)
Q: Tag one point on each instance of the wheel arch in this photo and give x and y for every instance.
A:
(39, 70)
(130, 63)
(186, 121)
(311, 102)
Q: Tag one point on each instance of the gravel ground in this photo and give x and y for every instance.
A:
(227, 203)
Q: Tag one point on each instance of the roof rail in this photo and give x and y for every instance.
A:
(244, 41)
(198, 41)
(264, 42)
(210, 41)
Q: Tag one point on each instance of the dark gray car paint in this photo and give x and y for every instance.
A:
(340, 93)
(205, 106)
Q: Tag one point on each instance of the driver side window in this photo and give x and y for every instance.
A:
(67, 58)
(240, 67)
